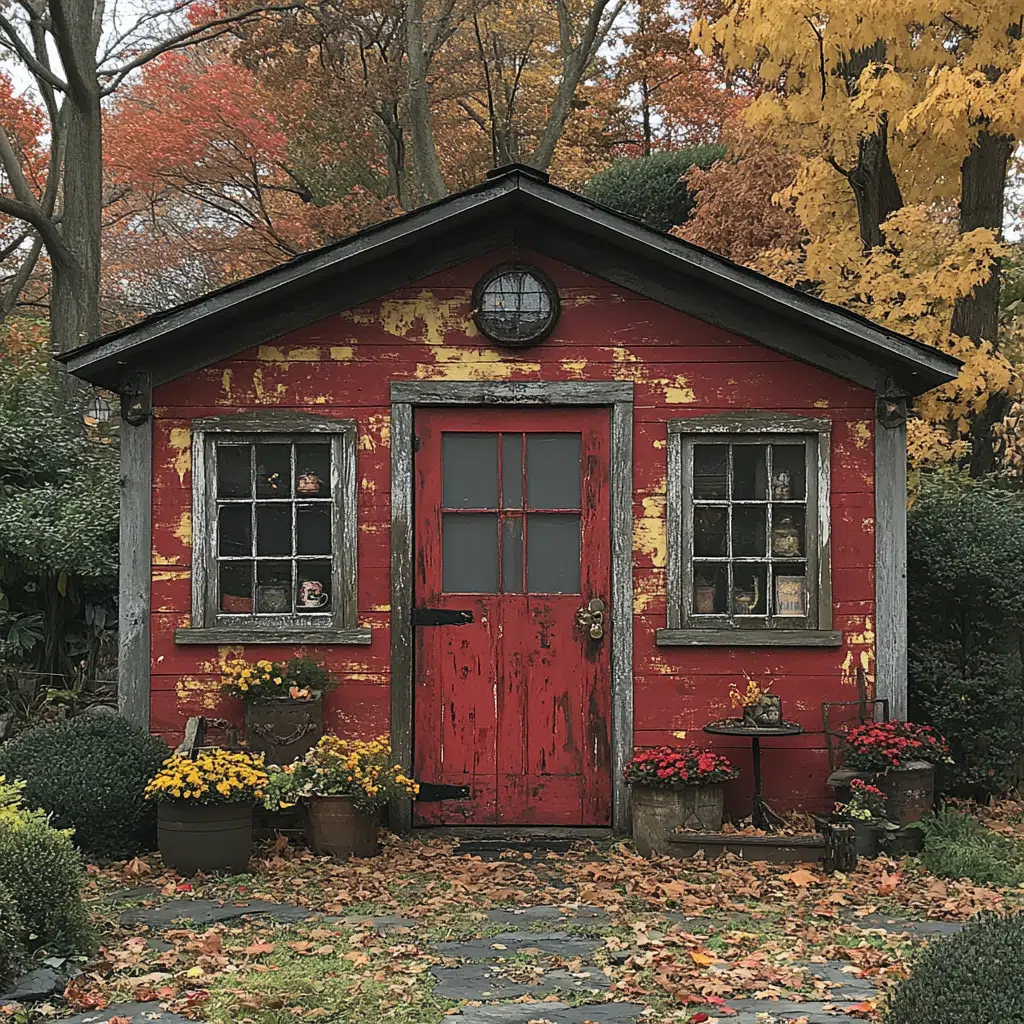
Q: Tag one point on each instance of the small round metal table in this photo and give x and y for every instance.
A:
(762, 816)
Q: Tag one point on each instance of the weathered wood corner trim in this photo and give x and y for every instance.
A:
(135, 553)
(748, 637)
(136, 397)
(750, 421)
(891, 553)
(401, 601)
(191, 635)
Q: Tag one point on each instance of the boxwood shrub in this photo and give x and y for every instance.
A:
(90, 774)
(42, 870)
(976, 976)
(12, 934)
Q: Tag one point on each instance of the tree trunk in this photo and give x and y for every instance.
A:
(976, 316)
(421, 130)
(875, 189)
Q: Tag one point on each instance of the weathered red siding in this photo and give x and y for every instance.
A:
(680, 367)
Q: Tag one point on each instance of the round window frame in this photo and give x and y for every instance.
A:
(542, 332)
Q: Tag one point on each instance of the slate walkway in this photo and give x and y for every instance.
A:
(540, 952)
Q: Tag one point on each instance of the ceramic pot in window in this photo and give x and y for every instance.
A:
(786, 539)
(308, 483)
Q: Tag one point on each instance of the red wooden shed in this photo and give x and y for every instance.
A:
(536, 482)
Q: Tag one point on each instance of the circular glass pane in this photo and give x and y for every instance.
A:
(515, 305)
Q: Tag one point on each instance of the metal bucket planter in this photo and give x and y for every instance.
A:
(204, 837)
(337, 829)
(909, 792)
(658, 812)
(868, 838)
(284, 730)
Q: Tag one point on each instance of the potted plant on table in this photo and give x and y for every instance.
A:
(760, 709)
(865, 812)
(676, 788)
(899, 758)
(283, 704)
(345, 783)
(204, 809)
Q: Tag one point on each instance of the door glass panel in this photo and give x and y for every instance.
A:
(274, 529)
(512, 555)
(553, 554)
(274, 588)
(236, 588)
(469, 471)
(234, 530)
(710, 470)
(313, 529)
(553, 470)
(233, 471)
(273, 470)
(313, 470)
(511, 470)
(469, 552)
(709, 532)
(749, 472)
(312, 587)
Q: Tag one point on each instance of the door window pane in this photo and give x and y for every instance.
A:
(512, 555)
(469, 470)
(273, 529)
(553, 470)
(710, 470)
(511, 470)
(553, 554)
(313, 529)
(234, 477)
(273, 470)
(469, 553)
(234, 530)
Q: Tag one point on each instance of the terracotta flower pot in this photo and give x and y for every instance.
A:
(337, 829)
(204, 837)
(659, 811)
(284, 730)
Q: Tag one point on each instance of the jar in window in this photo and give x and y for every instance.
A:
(786, 539)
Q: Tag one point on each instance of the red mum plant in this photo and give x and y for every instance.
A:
(867, 803)
(672, 766)
(881, 746)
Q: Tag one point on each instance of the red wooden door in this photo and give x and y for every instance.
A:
(512, 528)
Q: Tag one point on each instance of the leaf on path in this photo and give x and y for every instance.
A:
(801, 877)
(258, 948)
(356, 958)
(889, 881)
(137, 866)
(698, 956)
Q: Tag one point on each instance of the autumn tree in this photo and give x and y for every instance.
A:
(902, 117)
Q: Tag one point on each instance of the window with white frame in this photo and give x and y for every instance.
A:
(274, 526)
(748, 530)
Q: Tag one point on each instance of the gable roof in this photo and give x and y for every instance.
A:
(515, 205)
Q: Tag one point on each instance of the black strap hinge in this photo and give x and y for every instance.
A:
(433, 792)
(441, 617)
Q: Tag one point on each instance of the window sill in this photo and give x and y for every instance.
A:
(748, 638)
(271, 635)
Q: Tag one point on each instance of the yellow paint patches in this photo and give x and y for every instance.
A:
(400, 317)
(183, 531)
(181, 442)
(646, 590)
(629, 366)
(159, 559)
(270, 354)
(367, 484)
(262, 394)
(165, 575)
(860, 653)
(380, 607)
(225, 383)
(472, 364)
(374, 527)
(678, 391)
(868, 525)
(378, 431)
(343, 353)
(861, 431)
(304, 354)
(649, 534)
(821, 403)
(576, 368)
(197, 692)
(660, 443)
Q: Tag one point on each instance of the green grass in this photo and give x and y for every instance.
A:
(959, 846)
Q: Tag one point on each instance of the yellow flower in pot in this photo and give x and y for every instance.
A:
(204, 809)
(346, 783)
(760, 709)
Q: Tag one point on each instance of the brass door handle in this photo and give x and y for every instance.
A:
(590, 618)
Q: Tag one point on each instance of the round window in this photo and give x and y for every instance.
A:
(515, 304)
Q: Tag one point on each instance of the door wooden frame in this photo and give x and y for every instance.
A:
(615, 395)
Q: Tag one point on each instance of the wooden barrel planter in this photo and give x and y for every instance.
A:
(284, 730)
(909, 792)
(337, 829)
(658, 812)
(204, 837)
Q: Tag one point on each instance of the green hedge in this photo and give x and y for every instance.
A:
(651, 188)
(965, 565)
(12, 935)
(90, 774)
(975, 977)
(41, 868)
(959, 846)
